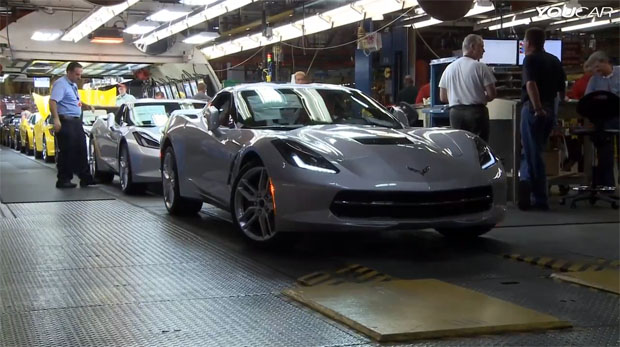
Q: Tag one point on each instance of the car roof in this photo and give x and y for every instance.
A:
(252, 86)
(165, 101)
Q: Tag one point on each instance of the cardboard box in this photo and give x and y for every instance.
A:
(552, 162)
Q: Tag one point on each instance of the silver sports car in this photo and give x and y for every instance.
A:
(128, 143)
(313, 157)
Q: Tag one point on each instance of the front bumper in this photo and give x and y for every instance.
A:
(145, 163)
(313, 213)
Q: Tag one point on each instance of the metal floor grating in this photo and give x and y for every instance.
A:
(582, 306)
(597, 336)
(264, 320)
(101, 273)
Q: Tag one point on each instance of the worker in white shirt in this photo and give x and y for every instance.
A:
(123, 96)
(467, 85)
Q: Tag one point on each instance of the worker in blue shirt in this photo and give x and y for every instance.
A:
(66, 110)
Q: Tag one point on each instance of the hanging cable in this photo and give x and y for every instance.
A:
(426, 44)
(311, 62)
(354, 41)
(243, 62)
(293, 57)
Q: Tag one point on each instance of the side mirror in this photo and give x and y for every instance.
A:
(105, 117)
(212, 115)
(400, 116)
(111, 123)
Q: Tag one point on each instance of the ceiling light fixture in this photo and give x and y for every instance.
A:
(193, 20)
(46, 35)
(141, 28)
(512, 23)
(109, 35)
(339, 16)
(96, 18)
(425, 23)
(197, 2)
(201, 38)
(587, 25)
(167, 15)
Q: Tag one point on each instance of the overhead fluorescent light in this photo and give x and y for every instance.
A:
(586, 25)
(339, 16)
(425, 23)
(96, 18)
(141, 28)
(46, 35)
(478, 9)
(197, 2)
(201, 38)
(193, 20)
(512, 23)
(167, 15)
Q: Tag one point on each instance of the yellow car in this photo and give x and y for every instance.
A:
(26, 133)
(44, 144)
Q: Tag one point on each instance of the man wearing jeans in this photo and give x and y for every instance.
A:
(467, 85)
(543, 81)
(66, 109)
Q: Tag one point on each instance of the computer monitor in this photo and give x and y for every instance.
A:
(551, 46)
(500, 52)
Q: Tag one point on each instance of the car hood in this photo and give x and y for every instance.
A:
(393, 154)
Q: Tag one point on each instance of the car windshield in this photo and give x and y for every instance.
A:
(266, 106)
(90, 116)
(157, 114)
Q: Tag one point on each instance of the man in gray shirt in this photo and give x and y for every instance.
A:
(605, 76)
(202, 93)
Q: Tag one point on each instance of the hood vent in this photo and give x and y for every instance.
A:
(383, 140)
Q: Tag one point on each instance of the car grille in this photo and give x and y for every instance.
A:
(411, 205)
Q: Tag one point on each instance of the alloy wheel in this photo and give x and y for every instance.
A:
(45, 149)
(91, 159)
(253, 204)
(169, 180)
(124, 169)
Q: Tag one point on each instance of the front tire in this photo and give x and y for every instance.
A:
(99, 176)
(465, 233)
(46, 156)
(125, 174)
(28, 150)
(252, 204)
(37, 154)
(175, 203)
(18, 143)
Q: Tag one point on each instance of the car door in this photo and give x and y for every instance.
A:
(109, 138)
(215, 150)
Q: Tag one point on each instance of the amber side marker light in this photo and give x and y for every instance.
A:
(272, 189)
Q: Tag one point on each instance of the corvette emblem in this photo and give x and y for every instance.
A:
(421, 172)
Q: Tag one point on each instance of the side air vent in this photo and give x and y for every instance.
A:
(383, 140)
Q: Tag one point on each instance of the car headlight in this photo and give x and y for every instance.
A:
(145, 140)
(486, 157)
(303, 157)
